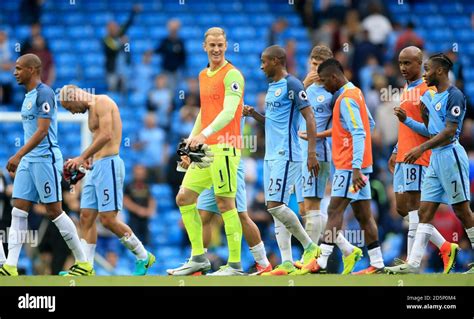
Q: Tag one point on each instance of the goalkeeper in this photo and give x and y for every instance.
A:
(218, 126)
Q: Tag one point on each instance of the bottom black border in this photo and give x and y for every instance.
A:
(358, 302)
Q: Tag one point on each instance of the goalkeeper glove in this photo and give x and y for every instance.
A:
(201, 157)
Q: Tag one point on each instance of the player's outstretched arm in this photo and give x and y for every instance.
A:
(36, 138)
(320, 135)
(438, 140)
(250, 111)
(313, 165)
(416, 126)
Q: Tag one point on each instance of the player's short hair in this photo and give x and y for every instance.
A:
(215, 31)
(276, 52)
(443, 60)
(31, 60)
(332, 65)
(321, 52)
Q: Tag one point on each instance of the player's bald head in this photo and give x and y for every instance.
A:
(275, 52)
(30, 60)
(74, 99)
(412, 53)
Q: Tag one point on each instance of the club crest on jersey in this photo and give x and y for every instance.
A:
(278, 92)
(320, 98)
(29, 105)
(235, 86)
(303, 95)
(456, 111)
(438, 106)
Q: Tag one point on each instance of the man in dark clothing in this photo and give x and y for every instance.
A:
(114, 45)
(140, 203)
(173, 53)
(5, 214)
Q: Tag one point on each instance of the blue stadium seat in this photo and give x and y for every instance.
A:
(153, 19)
(424, 8)
(60, 45)
(94, 72)
(87, 45)
(190, 32)
(450, 8)
(207, 21)
(255, 7)
(100, 19)
(242, 33)
(228, 6)
(53, 31)
(73, 18)
(235, 20)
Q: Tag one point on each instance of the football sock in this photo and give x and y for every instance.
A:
(283, 237)
(68, 230)
(193, 224)
(233, 231)
(288, 218)
(19, 226)
(375, 255)
(259, 254)
(135, 246)
(423, 234)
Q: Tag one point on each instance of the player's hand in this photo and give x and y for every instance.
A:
(248, 110)
(413, 155)
(303, 135)
(313, 164)
(391, 162)
(311, 78)
(194, 141)
(359, 180)
(185, 162)
(75, 163)
(13, 163)
(400, 113)
(88, 163)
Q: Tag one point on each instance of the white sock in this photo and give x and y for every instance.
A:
(3, 258)
(315, 224)
(89, 250)
(68, 230)
(422, 237)
(344, 245)
(17, 230)
(436, 238)
(326, 251)
(283, 237)
(135, 246)
(288, 218)
(375, 255)
(259, 254)
(413, 221)
(470, 235)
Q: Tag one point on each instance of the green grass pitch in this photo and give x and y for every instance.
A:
(309, 280)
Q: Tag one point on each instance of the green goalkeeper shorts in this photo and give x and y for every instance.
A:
(222, 173)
